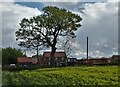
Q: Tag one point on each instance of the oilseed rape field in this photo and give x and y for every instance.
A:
(77, 75)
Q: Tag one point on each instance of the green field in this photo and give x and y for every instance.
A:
(78, 75)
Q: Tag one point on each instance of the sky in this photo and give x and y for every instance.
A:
(99, 24)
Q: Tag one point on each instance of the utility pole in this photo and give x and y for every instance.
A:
(119, 29)
(87, 47)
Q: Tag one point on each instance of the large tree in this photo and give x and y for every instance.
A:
(46, 29)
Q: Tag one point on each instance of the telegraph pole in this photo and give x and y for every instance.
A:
(119, 33)
(87, 47)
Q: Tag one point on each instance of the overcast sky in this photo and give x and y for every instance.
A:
(100, 24)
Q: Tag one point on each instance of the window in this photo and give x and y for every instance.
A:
(47, 58)
(61, 63)
(71, 60)
(68, 60)
(48, 63)
(62, 58)
(57, 64)
(56, 58)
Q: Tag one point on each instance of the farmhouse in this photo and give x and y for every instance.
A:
(24, 61)
(60, 59)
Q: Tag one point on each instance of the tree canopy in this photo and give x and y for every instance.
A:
(46, 29)
(9, 55)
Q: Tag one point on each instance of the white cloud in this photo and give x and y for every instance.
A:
(7, 1)
(100, 24)
(11, 16)
(60, 0)
(113, 0)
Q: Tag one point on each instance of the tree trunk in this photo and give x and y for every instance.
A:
(53, 50)
(52, 56)
(38, 64)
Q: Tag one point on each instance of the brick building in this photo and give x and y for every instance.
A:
(95, 61)
(116, 58)
(25, 61)
(60, 59)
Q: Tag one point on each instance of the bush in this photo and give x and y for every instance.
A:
(18, 68)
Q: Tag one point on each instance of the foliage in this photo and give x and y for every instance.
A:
(79, 75)
(9, 55)
(67, 44)
(18, 68)
(47, 29)
(0, 57)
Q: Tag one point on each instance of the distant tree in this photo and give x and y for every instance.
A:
(0, 56)
(9, 55)
(35, 56)
(68, 46)
(47, 29)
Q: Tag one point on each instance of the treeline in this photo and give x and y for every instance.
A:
(9, 55)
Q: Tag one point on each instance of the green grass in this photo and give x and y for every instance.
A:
(78, 75)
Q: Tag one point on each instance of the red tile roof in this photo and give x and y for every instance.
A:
(57, 54)
(24, 60)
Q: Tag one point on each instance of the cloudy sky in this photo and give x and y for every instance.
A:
(100, 23)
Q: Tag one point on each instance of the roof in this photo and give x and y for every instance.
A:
(96, 59)
(57, 54)
(72, 58)
(116, 56)
(24, 60)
